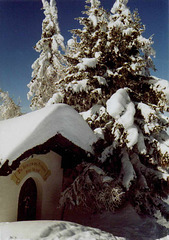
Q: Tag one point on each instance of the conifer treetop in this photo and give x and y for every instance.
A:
(48, 68)
(120, 4)
(8, 108)
(94, 3)
(52, 3)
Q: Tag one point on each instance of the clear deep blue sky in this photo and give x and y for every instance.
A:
(20, 29)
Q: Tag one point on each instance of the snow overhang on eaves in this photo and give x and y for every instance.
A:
(21, 134)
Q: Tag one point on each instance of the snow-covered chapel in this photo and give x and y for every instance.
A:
(34, 150)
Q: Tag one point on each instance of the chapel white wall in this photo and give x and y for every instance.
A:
(48, 192)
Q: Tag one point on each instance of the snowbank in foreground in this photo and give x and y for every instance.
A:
(124, 223)
(63, 230)
(51, 230)
(25, 132)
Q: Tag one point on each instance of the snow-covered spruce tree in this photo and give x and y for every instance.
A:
(132, 52)
(8, 108)
(108, 81)
(82, 76)
(48, 68)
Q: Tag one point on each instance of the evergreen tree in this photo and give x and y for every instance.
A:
(85, 72)
(132, 52)
(48, 68)
(8, 108)
(108, 81)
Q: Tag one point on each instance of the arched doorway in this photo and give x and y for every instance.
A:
(27, 201)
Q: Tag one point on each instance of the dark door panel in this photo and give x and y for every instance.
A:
(27, 201)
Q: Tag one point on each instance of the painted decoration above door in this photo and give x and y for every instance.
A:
(32, 165)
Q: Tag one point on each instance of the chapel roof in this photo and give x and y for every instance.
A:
(58, 125)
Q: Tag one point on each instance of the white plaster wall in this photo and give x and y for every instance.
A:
(51, 187)
(8, 199)
(48, 192)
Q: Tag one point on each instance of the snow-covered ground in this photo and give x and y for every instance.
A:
(51, 230)
(126, 225)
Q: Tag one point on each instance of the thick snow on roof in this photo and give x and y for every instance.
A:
(22, 133)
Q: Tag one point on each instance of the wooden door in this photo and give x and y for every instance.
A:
(27, 201)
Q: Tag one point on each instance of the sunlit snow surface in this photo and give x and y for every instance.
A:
(51, 230)
(125, 224)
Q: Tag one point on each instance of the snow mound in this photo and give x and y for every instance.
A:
(25, 132)
(48, 230)
(124, 226)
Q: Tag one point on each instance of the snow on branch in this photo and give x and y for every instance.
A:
(128, 174)
(56, 98)
(122, 109)
(117, 103)
(161, 87)
(87, 62)
(101, 80)
(163, 149)
(78, 86)
(132, 136)
(106, 153)
(94, 112)
(147, 112)
(150, 117)
(141, 143)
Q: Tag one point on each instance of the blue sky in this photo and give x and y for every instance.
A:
(20, 29)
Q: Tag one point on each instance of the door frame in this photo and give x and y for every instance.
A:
(27, 201)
